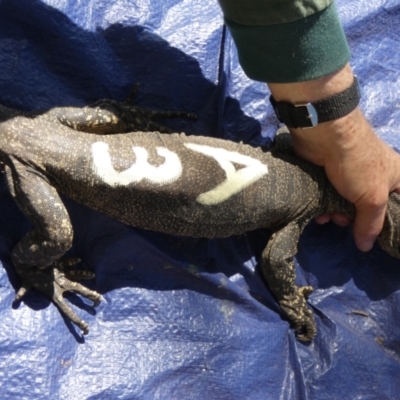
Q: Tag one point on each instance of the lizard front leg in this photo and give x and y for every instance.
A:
(36, 256)
(278, 269)
(109, 116)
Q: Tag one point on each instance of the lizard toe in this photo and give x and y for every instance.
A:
(308, 331)
(299, 315)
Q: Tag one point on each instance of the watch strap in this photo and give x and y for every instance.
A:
(311, 114)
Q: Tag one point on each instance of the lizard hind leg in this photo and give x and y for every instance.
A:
(278, 270)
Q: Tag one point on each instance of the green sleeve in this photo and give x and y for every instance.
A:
(286, 40)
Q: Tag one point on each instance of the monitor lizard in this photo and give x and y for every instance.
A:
(115, 157)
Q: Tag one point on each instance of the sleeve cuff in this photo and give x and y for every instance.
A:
(305, 49)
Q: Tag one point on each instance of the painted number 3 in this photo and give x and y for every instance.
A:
(171, 169)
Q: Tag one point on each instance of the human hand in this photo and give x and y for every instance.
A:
(361, 167)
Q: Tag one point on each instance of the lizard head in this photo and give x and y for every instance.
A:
(389, 238)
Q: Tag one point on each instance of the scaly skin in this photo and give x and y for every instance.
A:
(191, 186)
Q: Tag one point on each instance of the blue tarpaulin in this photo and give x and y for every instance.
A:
(186, 318)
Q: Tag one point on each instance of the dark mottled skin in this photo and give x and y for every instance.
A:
(50, 153)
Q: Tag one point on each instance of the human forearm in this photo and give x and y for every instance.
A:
(361, 166)
(286, 41)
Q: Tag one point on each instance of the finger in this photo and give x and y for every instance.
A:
(340, 219)
(323, 219)
(337, 218)
(368, 224)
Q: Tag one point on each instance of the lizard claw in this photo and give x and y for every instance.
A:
(23, 290)
(300, 316)
(54, 281)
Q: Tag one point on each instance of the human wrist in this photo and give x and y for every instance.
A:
(333, 138)
(336, 135)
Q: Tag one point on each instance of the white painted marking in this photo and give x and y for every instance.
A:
(235, 180)
(166, 173)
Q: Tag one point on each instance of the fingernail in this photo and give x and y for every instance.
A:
(365, 245)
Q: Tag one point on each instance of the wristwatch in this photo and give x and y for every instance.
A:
(311, 114)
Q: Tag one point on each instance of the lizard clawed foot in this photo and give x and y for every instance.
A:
(54, 281)
(300, 316)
